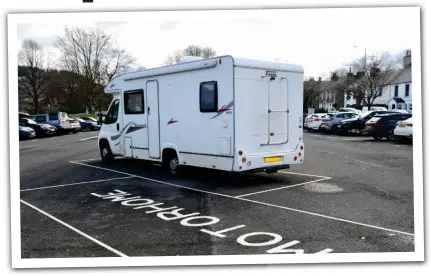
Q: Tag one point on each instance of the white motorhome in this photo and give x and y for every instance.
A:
(220, 113)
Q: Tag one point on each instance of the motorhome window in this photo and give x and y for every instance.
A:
(134, 102)
(113, 112)
(208, 96)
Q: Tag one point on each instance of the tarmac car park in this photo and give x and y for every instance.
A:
(351, 194)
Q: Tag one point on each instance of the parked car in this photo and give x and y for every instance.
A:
(350, 109)
(23, 115)
(404, 130)
(357, 125)
(42, 130)
(88, 125)
(75, 125)
(26, 133)
(330, 121)
(383, 125)
(57, 119)
(89, 119)
(313, 121)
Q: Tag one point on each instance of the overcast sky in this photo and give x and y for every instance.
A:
(319, 40)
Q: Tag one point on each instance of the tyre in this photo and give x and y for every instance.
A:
(172, 164)
(87, 128)
(105, 152)
(391, 136)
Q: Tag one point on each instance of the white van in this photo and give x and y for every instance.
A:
(220, 113)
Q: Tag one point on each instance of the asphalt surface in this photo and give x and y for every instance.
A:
(352, 194)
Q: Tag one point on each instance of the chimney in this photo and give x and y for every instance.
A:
(407, 59)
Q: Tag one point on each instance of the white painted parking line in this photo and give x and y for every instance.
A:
(92, 137)
(356, 160)
(280, 188)
(325, 151)
(76, 230)
(254, 201)
(367, 163)
(78, 183)
(305, 174)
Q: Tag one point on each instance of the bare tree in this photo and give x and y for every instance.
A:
(374, 72)
(311, 91)
(191, 50)
(31, 83)
(92, 54)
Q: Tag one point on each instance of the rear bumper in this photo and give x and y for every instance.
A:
(257, 162)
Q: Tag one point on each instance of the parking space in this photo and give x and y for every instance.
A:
(73, 205)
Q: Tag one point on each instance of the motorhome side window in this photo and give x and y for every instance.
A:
(113, 112)
(134, 102)
(208, 96)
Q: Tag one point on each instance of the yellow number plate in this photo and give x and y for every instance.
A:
(402, 125)
(369, 126)
(272, 159)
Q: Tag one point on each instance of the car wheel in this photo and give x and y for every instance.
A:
(87, 128)
(106, 153)
(173, 165)
(391, 136)
(377, 138)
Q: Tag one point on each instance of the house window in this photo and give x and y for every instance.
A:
(134, 102)
(396, 90)
(393, 106)
(407, 90)
(208, 96)
(411, 107)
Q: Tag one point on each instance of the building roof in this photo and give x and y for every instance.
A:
(401, 76)
(398, 100)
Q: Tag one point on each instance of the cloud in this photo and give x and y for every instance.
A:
(169, 25)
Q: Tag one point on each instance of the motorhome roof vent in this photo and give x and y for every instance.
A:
(189, 59)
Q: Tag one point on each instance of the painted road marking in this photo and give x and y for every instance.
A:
(254, 201)
(197, 220)
(305, 174)
(284, 187)
(89, 138)
(76, 230)
(329, 152)
(78, 183)
(360, 161)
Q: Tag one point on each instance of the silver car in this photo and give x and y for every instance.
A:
(330, 121)
(313, 121)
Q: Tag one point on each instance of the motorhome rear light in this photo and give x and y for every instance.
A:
(240, 152)
(294, 158)
(302, 147)
(299, 153)
(219, 61)
(272, 133)
(243, 160)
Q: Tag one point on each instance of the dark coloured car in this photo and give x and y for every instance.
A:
(382, 126)
(330, 121)
(357, 125)
(26, 133)
(88, 125)
(42, 130)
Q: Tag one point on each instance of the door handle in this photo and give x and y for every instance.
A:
(148, 109)
(118, 127)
